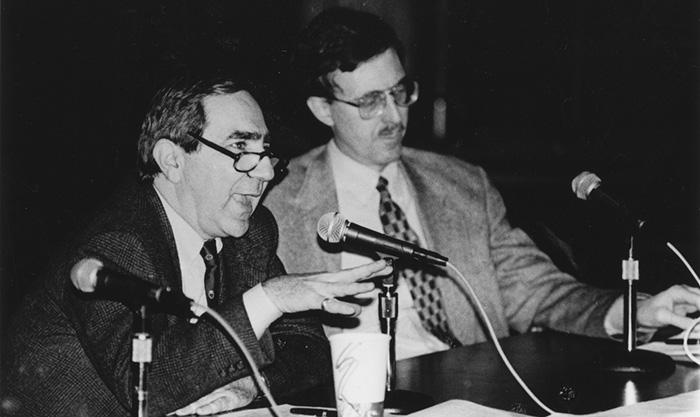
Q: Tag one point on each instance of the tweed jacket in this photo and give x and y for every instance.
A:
(71, 352)
(463, 218)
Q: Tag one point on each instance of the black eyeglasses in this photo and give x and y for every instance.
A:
(245, 161)
(373, 103)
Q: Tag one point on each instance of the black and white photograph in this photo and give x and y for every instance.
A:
(349, 208)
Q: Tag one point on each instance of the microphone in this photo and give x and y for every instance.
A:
(334, 228)
(587, 186)
(90, 275)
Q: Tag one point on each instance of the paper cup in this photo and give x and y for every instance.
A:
(359, 373)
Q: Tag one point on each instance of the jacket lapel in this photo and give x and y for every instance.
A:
(316, 197)
(446, 222)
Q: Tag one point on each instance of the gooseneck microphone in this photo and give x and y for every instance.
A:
(91, 276)
(334, 228)
(587, 186)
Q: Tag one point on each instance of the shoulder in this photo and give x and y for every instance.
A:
(128, 232)
(299, 165)
(298, 170)
(444, 169)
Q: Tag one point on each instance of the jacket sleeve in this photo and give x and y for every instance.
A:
(301, 350)
(534, 290)
(302, 353)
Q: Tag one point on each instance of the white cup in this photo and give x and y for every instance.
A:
(359, 373)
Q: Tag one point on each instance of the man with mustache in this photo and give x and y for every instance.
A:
(350, 65)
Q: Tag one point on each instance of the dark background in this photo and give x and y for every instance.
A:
(536, 92)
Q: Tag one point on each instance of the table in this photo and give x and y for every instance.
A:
(559, 368)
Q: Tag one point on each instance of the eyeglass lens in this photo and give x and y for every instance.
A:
(248, 161)
(403, 94)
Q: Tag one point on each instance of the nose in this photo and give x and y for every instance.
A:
(391, 111)
(264, 170)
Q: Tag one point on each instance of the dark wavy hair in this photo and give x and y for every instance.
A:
(175, 110)
(339, 38)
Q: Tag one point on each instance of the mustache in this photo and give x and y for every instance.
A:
(392, 129)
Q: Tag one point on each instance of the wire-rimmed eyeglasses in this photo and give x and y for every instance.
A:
(245, 161)
(373, 103)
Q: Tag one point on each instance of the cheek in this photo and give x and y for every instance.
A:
(360, 131)
(349, 120)
(404, 114)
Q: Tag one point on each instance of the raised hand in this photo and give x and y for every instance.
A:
(316, 291)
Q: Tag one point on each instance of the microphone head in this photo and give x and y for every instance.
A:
(584, 183)
(331, 227)
(84, 274)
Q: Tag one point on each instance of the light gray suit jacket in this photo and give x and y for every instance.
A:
(463, 218)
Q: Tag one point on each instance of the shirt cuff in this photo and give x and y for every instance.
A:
(261, 311)
(615, 315)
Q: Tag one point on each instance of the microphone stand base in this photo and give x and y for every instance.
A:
(402, 402)
(637, 362)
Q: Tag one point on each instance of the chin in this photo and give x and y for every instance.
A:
(391, 149)
(238, 229)
(388, 157)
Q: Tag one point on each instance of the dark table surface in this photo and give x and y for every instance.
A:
(562, 370)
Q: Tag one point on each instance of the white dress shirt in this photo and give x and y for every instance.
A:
(358, 201)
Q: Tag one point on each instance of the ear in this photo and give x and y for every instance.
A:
(170, 158)
(321, 108)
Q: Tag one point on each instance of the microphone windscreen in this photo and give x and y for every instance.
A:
(84, 274)
(331, 226)
(584, 183)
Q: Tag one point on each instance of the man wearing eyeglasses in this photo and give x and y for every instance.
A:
(349, 64)
(204, 161)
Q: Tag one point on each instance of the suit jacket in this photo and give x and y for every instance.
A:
(71, 352)
(463, 218)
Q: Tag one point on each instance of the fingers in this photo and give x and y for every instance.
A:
(303, 292)
(351, 289)
(237, 394)
(223, 403)
(385, 270)
(335, 306)
(669, 307)
(666, 317)
(186, 411)
(682, 295)
(201, 404)
(679, 321)
(362, 272)
(690, 295)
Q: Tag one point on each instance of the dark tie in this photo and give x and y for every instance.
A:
(426, 295)
(212, 275)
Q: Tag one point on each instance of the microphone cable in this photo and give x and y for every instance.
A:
(492, 333)
(689, 330)
(685, 262)
(686, 337)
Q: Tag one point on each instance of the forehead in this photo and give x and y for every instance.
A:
(231, 113)
(378, 73)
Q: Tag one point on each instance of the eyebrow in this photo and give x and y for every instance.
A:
(247, 135)
(402, 79)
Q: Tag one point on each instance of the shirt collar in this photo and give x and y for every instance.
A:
(351, 175)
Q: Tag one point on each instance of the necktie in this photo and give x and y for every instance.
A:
(212, 275)
(426, 295)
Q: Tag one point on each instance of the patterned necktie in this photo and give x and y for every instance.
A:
(426, 295)
(212, 275)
